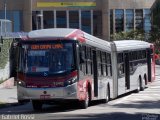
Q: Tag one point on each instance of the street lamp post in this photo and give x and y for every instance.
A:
(39, 16)
(5, 14)
(5, 9)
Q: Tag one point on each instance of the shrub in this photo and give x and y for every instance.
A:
(5, 52)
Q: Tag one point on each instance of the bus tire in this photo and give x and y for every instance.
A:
(141, 84)
(146, 79)
(22, 102)
(107, 96)
(85, 103)
(37, 105)
(138, 88)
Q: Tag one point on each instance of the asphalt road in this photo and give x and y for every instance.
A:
(144, 105)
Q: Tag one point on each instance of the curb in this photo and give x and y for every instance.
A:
(5, 105)
(8, 83)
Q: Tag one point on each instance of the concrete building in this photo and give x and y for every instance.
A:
(97, 17)
(156, 14)
(155, 10)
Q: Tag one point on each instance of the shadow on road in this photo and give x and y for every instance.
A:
(140, 105)
(108, 116)
(72, 111)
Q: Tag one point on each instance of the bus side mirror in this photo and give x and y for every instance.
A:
(81, 56)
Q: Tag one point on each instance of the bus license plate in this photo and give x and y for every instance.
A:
(45, 96)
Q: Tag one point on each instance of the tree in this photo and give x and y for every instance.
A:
(155, 37)
(131, 35)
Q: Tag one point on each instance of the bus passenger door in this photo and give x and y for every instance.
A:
(95, 73)
(127, 70)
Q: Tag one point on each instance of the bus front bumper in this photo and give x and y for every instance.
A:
(69, 92)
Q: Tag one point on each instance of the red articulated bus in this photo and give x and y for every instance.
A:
(63, 65)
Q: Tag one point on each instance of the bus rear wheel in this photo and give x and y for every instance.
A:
(107, 96)
(37, 105)
(138, 87)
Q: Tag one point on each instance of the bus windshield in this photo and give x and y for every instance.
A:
(50, 58)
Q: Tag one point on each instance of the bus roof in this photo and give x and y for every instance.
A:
(50, 33)
(83, 37)
(74, 34)
(131, 45)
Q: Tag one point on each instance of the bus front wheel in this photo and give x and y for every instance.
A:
(22, 102)
(37, 105)
(85, 103)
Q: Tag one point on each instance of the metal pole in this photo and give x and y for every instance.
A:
(5, 15)
(108, 14)
(36, 22)
(5, 10)
(41, 19)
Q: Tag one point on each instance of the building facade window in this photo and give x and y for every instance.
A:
(119, 20)
(129, 19)
(139, 19)
(147, 23)
(97, 23)
(61, 19)
(36, 20)
(74, 19)
(17, 21)
(89, 21)
(147, 20)
(15, 17)
(48, 19)
(86, 21)
(111, 21)
(34, 26)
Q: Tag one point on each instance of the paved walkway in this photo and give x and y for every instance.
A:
(8, 95)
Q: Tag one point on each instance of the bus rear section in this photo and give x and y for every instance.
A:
(134, 65)
(47, 71)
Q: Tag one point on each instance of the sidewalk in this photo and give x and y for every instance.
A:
(8, 95)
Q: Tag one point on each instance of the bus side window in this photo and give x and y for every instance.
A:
(109, 67)
(86, 65)
(81, 55)
(134, 55)
(82, 59)
(144, 56)
(99, 63)
(104, 64)
(131, 62)
(88, 61)
(120, 63)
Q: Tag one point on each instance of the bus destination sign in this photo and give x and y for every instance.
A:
(48, 46)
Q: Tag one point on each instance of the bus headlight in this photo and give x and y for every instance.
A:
(21, 83)
(70, 81)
